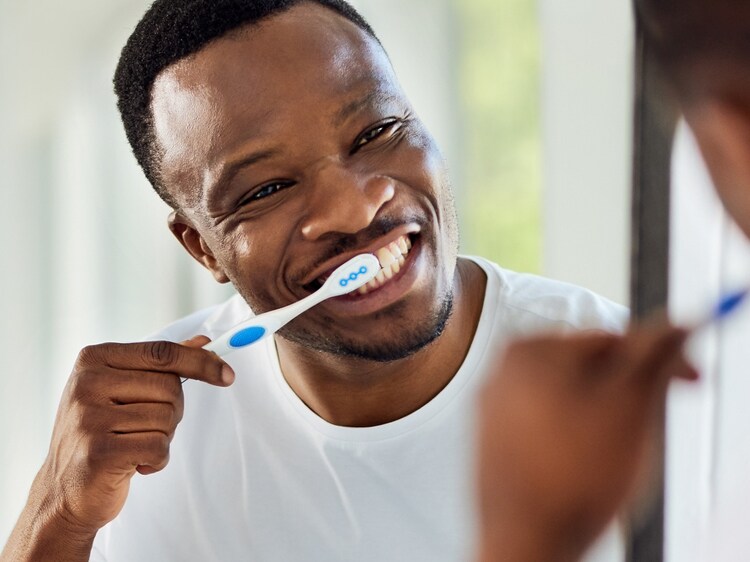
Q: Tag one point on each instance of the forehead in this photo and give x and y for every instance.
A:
(259, 81)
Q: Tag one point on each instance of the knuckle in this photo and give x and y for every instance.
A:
(164, 444)
(97, 353)
(161, 353)
(161, 463)
(80, 384)
(170, 414)
(159, 444)
(88, 355)
(160, 416)
(178, 413)
(171, 385)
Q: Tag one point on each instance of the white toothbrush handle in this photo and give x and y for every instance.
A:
(345, 279)
(260, 327)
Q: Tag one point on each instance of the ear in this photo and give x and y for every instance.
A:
(194, 243)
(722, 129)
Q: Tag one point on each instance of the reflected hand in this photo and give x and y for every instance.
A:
(565, 429)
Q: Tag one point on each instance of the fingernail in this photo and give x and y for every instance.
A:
(227, 374)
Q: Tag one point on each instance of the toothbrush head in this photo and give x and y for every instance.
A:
(729, 303)
(352, 275)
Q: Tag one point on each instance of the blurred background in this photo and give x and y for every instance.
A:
(529, 99)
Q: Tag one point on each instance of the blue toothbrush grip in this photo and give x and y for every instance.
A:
(247, 336)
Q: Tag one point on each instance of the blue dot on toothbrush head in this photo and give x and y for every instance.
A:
(353, 276)
(363, 270)
(343, 282)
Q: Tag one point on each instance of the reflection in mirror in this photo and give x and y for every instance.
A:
(702, 50)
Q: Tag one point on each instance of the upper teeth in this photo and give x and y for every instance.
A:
(391, 258)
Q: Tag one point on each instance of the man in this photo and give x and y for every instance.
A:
(281, 138)
(704, 49)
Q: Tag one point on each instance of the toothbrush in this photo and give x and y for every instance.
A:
(347, 278)
(726, 305)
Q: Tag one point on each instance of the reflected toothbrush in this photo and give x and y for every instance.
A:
(726, 305)
(349, 277)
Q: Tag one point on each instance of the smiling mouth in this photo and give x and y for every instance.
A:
(392, 257)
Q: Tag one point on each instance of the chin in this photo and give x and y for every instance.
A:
(394, 340)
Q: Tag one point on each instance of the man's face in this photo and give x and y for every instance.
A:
(290, 148)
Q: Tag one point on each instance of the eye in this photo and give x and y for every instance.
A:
(267, 190)
(381, 129)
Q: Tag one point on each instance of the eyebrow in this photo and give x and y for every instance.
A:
(376, 97)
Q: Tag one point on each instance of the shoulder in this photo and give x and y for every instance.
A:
(209, 321)
(531, 303)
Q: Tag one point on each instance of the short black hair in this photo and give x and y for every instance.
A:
(170, 31)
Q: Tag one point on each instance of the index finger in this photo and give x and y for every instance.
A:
(169, 357)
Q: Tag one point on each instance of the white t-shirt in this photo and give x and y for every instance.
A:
(256, 475)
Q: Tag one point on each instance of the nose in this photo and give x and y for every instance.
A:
(344, 201)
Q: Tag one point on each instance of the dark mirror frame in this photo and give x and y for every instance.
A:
(654, 127)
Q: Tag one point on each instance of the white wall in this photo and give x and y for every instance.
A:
(587, 54)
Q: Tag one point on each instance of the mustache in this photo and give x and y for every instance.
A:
(340, 243)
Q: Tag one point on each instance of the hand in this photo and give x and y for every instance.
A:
(117, 416)
(565, 426)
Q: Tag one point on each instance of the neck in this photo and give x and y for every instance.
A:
(355, 392)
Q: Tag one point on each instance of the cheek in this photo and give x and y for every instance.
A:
(736, 200)
(423, 167)
(238, 247)
(422, 144)
(251, 262)
(435, 175)
(258, 242)
(433, 184)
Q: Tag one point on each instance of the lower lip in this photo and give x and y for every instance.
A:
(355, 304)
